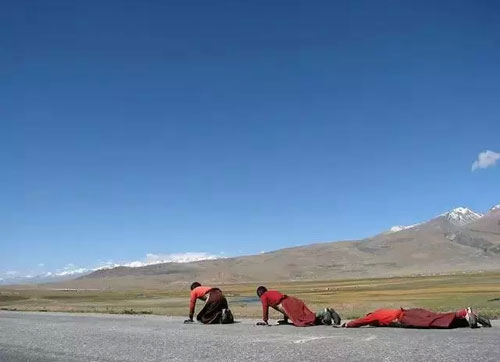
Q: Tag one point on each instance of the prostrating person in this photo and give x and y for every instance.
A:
(293, 309)
(420, 318)
(215, 310)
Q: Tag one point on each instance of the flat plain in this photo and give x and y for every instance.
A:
(351, 298)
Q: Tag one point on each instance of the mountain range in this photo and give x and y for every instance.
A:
(457, 241)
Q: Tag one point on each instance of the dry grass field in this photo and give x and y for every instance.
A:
(352, 298)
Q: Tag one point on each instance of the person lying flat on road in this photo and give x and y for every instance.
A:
(294, 309)
(420, 318)
(216, 309)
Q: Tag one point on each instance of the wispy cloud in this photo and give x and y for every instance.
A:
(486, 159)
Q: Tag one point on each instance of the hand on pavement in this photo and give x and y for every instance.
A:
(283, 322)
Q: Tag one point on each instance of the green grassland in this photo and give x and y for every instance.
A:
(351, 298)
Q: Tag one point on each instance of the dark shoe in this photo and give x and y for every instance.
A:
(471, 318)
(324, 317)
(485, 322)
(335, 317)
(226, 317)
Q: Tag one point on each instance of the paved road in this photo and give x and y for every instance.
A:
(43, 337)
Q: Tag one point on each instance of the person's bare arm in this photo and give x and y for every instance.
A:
(265, 313)
(192, 305)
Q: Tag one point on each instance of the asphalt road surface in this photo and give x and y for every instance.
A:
(42, 337)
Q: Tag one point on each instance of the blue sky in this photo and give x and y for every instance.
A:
(234, 127)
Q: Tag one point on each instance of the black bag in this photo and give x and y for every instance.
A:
(227, 317)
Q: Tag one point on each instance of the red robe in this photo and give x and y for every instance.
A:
(410, 318)
(297, 311)
(294, 308)
(379, 318)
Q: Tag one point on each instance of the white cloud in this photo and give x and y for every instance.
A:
(69, 272)
(152, 259)
(188, 257)
(72, 271)
(41, 265)
(69, 269)
(486, 159)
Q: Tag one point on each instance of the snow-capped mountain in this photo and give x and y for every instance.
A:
(495, 208)
(459, 240)
(71, 271)
(397, 228)
(47, 277)
(461, 216)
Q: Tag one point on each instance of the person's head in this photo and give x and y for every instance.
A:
(195, 285)
(261, 290)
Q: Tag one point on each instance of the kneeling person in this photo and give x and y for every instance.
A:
(216, 309)
(294, 309)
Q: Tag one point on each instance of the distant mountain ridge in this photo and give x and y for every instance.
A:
(460, 240)
(459, 216)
